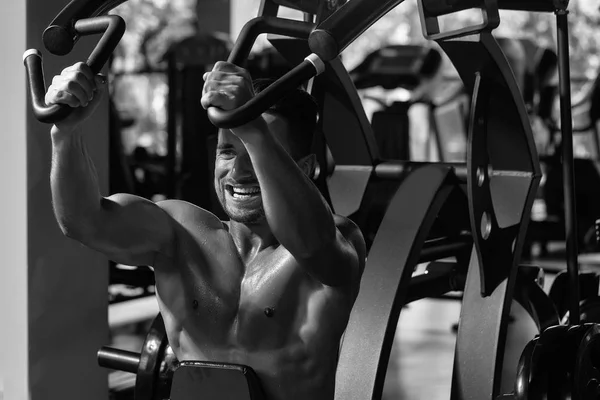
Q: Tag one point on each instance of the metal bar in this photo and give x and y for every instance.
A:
(437, 249)
(334, 34)
(396, 169)
(266, 24)
(120, 360)
(566, 126)
(445, 7)
(439, 280)
(60, 36)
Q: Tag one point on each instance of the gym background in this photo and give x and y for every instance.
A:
(61, 304)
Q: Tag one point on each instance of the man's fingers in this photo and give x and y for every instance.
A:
(218, 80)
(227, 86)
(229, 68)
(62, 97)
(210, 99)
(225, 66)
(220, 99)
(213, 81)
(74, 89)
(223, 77)
(81, 67)
(66, 92)
(79, 81)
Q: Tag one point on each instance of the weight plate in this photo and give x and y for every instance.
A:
(150, 359)
(536, 372)
(587, 371)
(524, 371)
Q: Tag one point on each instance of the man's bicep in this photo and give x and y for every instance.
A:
(132, 230)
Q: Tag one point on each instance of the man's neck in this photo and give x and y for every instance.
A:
(251, 239)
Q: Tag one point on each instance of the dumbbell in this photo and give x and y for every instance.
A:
(153, 366)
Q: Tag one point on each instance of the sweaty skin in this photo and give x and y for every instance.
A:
(272, 288)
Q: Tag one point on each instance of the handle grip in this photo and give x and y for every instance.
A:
(120, 360)
(112, 27)
(262, 101)
(310, 67)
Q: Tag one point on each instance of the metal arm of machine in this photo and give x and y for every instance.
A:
(61, 35)
(112, 27)
(326, 42)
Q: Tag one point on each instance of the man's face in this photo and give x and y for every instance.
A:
(235, 180)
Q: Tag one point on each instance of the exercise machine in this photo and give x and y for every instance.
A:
(495, 188)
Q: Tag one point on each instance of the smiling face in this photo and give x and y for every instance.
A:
(236, 184)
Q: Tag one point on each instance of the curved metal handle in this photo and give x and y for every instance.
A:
(265, 99)
(312, 66)
(60, 36)
(113, 28)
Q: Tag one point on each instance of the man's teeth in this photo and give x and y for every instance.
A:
(244, 192)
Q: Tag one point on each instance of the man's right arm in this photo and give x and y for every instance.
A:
(127, 229)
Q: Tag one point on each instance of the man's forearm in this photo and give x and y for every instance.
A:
(296, 212)
(74, 182)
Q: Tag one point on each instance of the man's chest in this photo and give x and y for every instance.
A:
(266, 301)
(274, 293)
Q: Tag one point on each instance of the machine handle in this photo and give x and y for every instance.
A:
(326, 42)
(436, 8)
(342, 27)
(309, 68)
(112, 27)
(257, 26)
(60, 36)
(120, 360)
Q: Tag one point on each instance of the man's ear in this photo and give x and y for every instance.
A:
(308, 165)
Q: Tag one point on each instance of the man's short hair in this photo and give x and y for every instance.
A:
(301, 111)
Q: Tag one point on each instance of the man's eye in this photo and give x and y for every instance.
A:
(226, 153)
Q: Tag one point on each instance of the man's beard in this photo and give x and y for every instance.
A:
(248, 217)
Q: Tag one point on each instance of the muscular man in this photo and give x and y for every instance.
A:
(272, 288)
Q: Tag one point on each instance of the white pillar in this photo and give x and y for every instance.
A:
(53, 291)
(13, 213)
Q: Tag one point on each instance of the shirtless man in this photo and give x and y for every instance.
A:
(273, 287)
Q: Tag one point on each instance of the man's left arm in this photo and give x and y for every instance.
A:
(296, 212)
(298, 215)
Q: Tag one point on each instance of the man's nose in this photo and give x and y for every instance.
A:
(242, 168)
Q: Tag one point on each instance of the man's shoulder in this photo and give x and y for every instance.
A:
(353, 235)
(188, 213)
